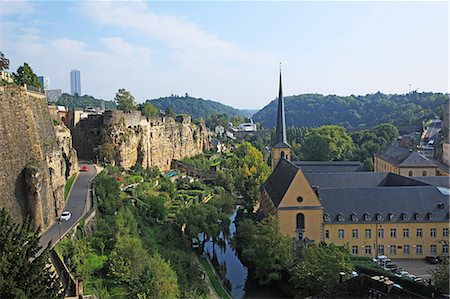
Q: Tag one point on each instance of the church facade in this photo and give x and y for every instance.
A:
(371, 213)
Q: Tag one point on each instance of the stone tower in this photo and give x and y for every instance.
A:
(281, 149)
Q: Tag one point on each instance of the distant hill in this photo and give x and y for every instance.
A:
(196, 107)
(83, 101)
(312, 110)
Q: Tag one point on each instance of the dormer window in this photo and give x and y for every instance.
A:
(404, 216)
(391, 216)
(379, 217)
(354, 217)
(430, 215)
(326, 217)
(366, 217)
(340, 217)
(417, 216)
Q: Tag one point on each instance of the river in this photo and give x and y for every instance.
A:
(236, 272)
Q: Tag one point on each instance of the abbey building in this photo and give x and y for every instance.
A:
(373, 213)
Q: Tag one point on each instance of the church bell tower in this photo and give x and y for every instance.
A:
(281, 149)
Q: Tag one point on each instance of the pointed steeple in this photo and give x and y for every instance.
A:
(280, 133)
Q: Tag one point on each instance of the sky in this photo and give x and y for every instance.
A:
(230, 51)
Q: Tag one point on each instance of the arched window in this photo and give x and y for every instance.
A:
(424, 173)
(300, 221)
(282, 155)
(410, 173)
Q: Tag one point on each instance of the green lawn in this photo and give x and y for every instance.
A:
(69, 184)
(214, 279)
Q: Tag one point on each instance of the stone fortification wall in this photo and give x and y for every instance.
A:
(136, 139)
(36, 156)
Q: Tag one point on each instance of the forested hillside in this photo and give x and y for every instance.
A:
(196, 107)
(83, 101)
(312, 110)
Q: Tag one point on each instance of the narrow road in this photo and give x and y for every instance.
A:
(76, 204)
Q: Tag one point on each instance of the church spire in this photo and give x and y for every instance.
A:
(280, 133)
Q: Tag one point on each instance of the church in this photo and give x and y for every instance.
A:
(373, 213)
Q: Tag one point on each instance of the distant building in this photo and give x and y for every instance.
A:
(6, 76)
(45, 82)
(75, 83)
(403, 161)
(53, 94)
(247, 127)
(219, 130)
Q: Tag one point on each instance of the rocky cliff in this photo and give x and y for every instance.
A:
(134, 139)
(36, 157)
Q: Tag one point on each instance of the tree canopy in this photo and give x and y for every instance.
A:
(22, 273)
(148, 109)
(249, 171)
(313, 110)
(264, 249)
(327, 143)
(25, 75)
(196, 107)
(125, 101)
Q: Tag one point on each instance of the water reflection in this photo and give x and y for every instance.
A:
(225, 259)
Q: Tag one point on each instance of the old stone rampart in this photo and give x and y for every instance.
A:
(36, 157)
(154, 141)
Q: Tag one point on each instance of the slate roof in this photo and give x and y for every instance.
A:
(368, 192)
(330, 166)
(279, 181)
(416, 159)
(360, 180)
(443, 181)
(384, 200)
(404, 157)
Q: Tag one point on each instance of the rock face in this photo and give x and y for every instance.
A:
(135, 139)
(36, 157)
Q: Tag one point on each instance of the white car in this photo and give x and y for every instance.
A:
(401, 274)
(65, 216)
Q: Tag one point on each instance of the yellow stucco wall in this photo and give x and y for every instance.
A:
(309, 206)
(418, 171)
(400, 241)
(276, 155)
(381, 165)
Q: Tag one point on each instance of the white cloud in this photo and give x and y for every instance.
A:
(10, 8)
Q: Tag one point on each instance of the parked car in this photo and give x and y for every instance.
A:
(84, 168)
(401, 274)
(65, 216)
(413, 278)
(432, 259)
(390, 267)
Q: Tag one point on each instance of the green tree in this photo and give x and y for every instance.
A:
(264, 249)
(440, 274)
(250, 171)
(318, 268)
(148, 109)
(153, 207)
(125, 101)
(159, 279)
(387, 131)
(22, 273)
(168, 112)
(327, 143)
(202, 222)
(25, 75)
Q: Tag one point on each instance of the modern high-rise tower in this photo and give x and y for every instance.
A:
(45, 82)
(75, 83)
